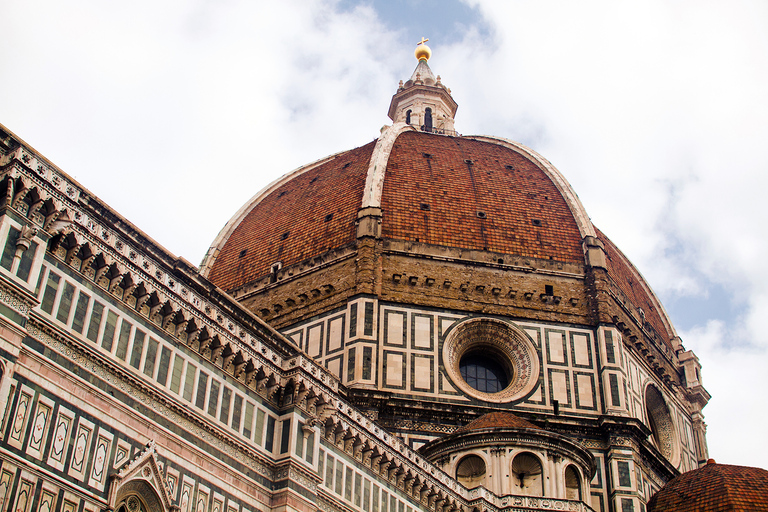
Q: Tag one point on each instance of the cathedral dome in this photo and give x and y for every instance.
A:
(491, 199)
(470, 193)
(423, 188)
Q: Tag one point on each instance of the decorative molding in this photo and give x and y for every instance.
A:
(138, 390)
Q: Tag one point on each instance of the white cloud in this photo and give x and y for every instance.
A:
(735, 376)
(184, 110)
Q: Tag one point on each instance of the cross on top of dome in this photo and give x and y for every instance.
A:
(422, 50)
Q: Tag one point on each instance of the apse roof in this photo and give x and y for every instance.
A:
(496, 420)
(714, 488)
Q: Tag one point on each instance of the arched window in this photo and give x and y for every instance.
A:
(527, 475)
(408, 117)
(660, 421)
(572, 484)
(470, 472)
(428, 120)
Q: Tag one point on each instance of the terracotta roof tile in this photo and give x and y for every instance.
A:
(501, 201)
(298, 208)
(714, 488)
(449, 191)
(496, 420)
(628, 280)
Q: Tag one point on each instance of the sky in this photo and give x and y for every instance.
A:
(175, 113)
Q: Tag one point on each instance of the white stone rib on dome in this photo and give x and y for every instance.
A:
(374, 180)
(571, 198)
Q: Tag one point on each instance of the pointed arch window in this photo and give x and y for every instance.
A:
(428, 120)
(139, 496)
(408, 117)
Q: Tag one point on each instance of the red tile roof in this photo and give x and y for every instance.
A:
(496, 420)
(524, 212)
(714, 488)
(449, 191)
(633, 286)
(298, 208)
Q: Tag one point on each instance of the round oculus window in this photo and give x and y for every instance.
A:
(484, 372)
(491, 360)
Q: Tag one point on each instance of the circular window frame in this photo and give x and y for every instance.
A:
(506, 340)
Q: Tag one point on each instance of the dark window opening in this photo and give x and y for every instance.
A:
(368, 319)
(483, 372)
(481, 215)
(549, 289)
(424, 206)
(285, 235)
(351, 365)
(536, 222)
(428, 120)
(328, 217)
(353, 320)
(408, 117)
(242, 253)
(274, 269)
(10, 248)
(367, 357)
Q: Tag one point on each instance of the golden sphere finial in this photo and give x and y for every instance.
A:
(422, 50)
